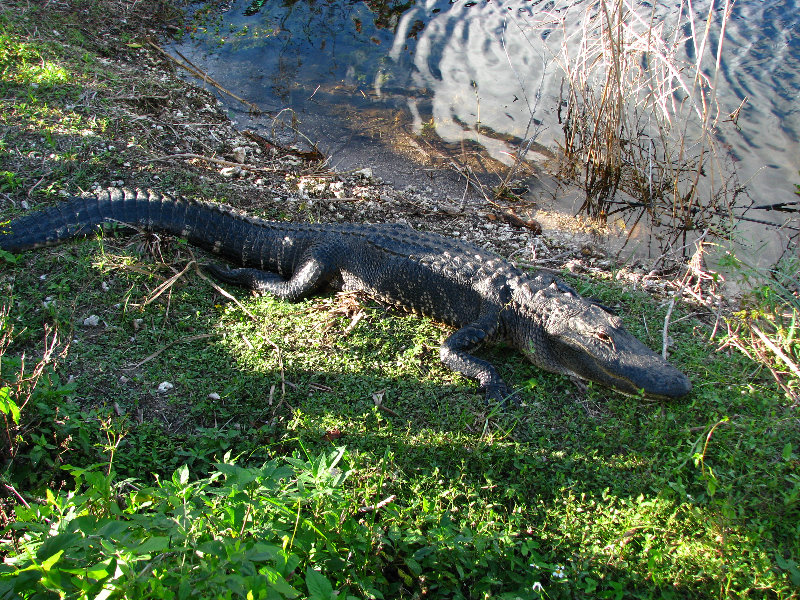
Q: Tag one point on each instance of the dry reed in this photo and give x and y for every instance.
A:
(640, 113)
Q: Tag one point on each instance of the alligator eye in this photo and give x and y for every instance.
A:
(604, 337)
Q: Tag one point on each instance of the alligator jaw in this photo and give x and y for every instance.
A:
(565, 333)
(631, 368)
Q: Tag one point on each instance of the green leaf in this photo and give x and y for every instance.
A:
(153, 544)
(278, 584)
(790, 566)
(236, 475)
(48, 564)
(56, 545)
(213, 547)
(113, 528)
(25, 580)
(181, 475)
(103, 569)
(7, 405)
(787, 451)
(319, 588)
(263, 552)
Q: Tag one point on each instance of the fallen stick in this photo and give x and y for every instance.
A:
(211, 159)
(664, 335)
(191, 68)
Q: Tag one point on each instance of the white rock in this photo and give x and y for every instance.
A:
(230, 171)
(164, 387)
(91, 321)
(239, 154)
(214, 396)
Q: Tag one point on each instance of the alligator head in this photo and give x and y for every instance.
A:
(568, 334)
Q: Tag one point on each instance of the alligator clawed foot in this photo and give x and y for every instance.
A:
(502, 395)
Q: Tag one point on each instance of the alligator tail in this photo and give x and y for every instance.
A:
(211, 226)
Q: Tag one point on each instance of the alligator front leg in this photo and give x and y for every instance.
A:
(455, 354)
(308, 277)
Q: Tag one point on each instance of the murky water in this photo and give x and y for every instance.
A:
(414, 88)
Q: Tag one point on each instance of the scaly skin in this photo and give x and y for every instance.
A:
(484, 297)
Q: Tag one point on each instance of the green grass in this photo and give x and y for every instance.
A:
(623, 497)
(125, 491)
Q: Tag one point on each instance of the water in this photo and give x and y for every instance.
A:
(412, 88)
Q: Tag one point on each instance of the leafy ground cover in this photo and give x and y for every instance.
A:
(299, 451)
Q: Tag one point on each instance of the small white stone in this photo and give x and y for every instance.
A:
(105, 287)
(214, 396)
(164, 387)
(239, 154)
(91, 321)
(230, 171)
(24, 204)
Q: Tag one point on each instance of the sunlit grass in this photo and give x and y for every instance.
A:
(23, 63)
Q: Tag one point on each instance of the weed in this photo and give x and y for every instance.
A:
(766, 328)
(639, 117)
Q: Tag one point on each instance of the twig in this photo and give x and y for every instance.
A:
(353, 322)
(167, 284)
(224, 293)
(280, 367)
(255, 320)
(14, 491)
(211, 159)
(191, 338)
(379, 505)
(665, 337)
(187, 65)
(377, 398)
(777, 351)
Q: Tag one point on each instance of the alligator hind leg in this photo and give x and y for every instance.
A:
(309, 277)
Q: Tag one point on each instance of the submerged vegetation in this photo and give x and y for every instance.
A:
(319, 450)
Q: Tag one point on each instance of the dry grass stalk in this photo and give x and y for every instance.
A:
(767, 329)
(640, 114)
(20, 385)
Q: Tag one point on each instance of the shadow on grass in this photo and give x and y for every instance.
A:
(622, 494)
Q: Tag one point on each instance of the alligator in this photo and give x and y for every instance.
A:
(483, 296)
